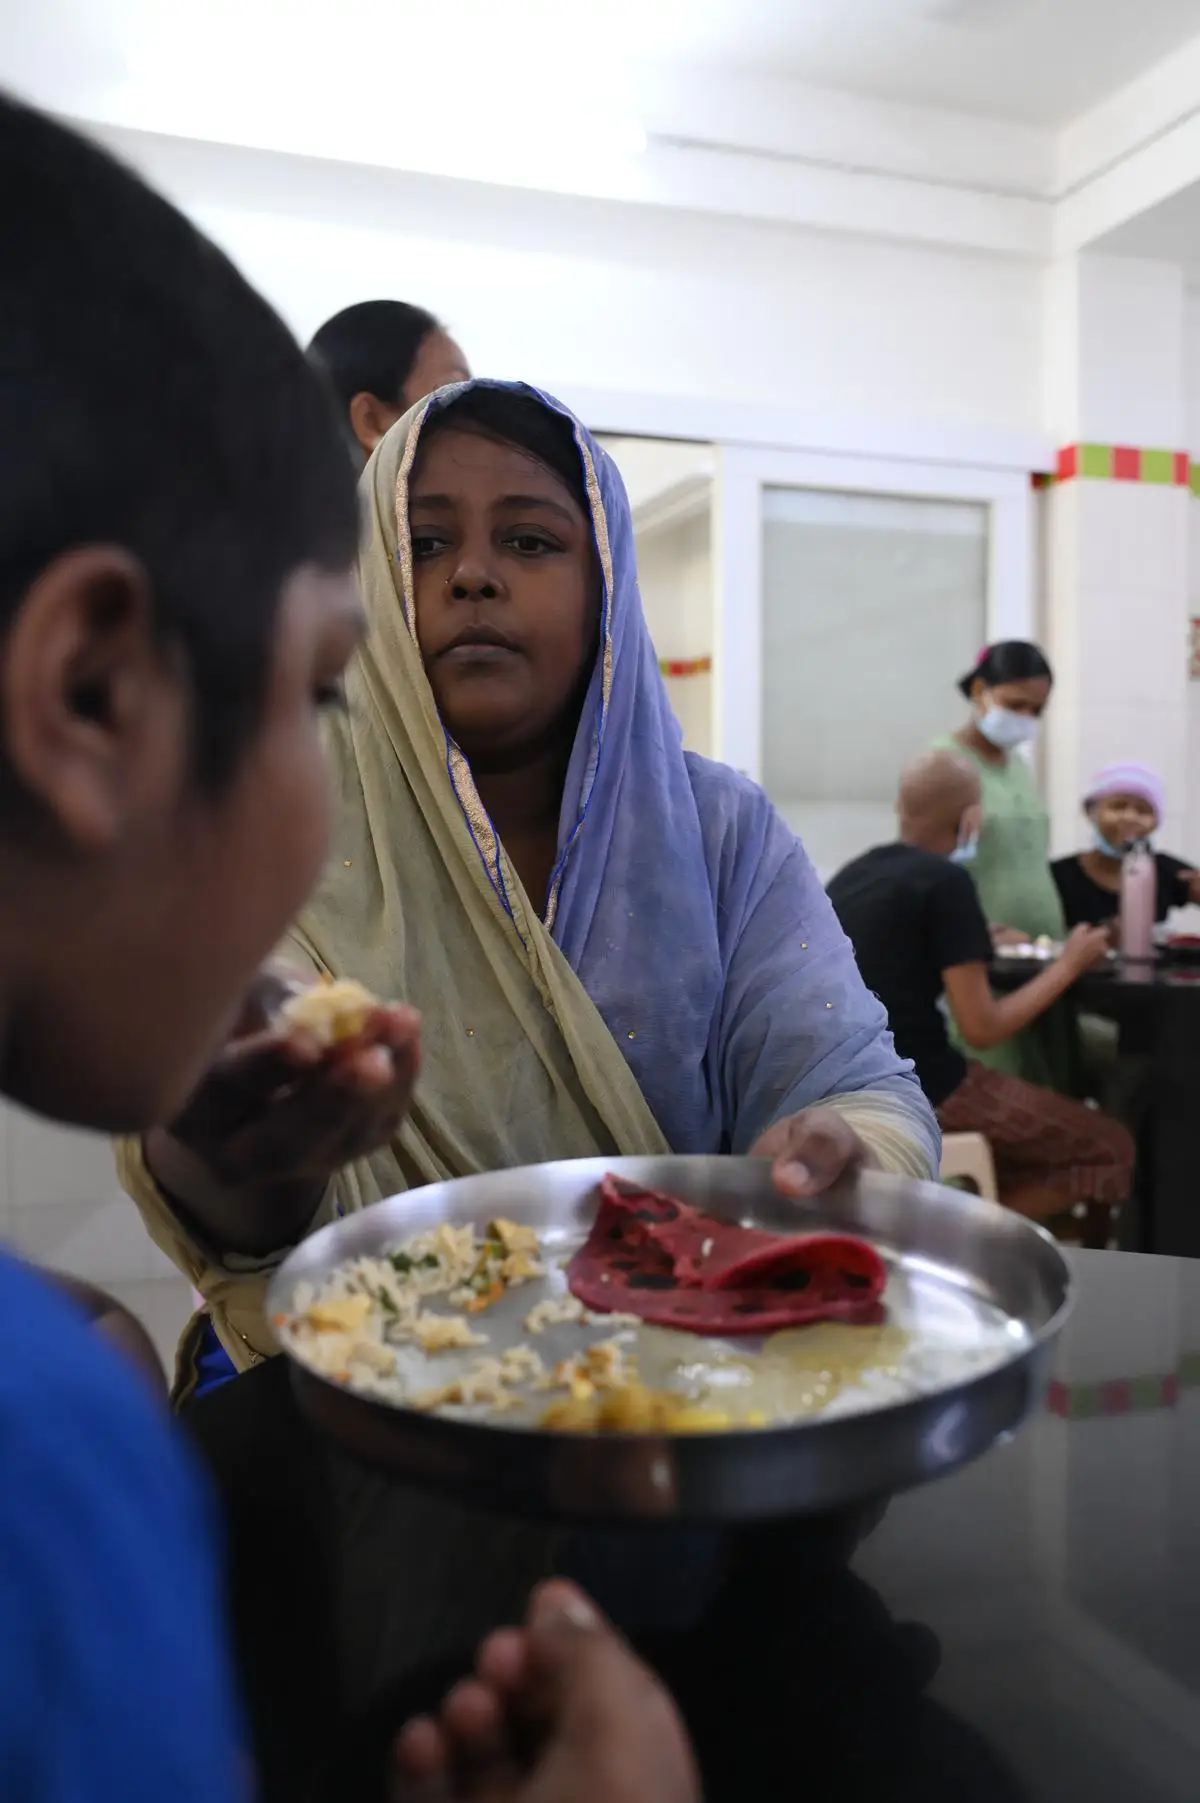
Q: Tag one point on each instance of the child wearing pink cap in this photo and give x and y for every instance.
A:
(1123, 804)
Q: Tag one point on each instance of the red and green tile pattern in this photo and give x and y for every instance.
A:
(1124, 1395)
(1123, 463)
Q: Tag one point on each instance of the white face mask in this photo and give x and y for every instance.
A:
(1006, 730)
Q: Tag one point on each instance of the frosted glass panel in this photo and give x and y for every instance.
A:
(872, 607)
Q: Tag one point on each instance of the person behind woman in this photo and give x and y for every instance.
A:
(1008, 690)
(1123, 804)
(616, 946)
(923, 946)
(381, 358)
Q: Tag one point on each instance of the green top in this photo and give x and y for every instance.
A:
(1012, 866)
(1012, 874)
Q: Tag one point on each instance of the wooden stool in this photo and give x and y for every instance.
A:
(967, 1160)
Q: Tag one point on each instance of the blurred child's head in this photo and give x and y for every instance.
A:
(1124, 803)
(177, 522)
(939, 806)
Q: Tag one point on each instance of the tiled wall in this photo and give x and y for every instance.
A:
(1118, 542)
(1117, 636)
(61, 1205)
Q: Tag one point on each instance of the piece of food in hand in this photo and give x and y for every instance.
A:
(664, 1261)
(331, 1013)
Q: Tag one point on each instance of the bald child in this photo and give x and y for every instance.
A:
(923, 945)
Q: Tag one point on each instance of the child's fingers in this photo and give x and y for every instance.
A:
(473, 1717)
(421, 1751)
(501, 1659)
(462, 1754)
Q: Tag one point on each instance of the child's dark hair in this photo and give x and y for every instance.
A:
(512, 417)
(371, 348)
(1012, 660)
(149, 398)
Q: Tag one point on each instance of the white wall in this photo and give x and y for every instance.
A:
(600, 295)
(675, 574)
(62, 1207)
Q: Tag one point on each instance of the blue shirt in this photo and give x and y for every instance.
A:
(113, 1679)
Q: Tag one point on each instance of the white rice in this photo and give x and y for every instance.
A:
(555, 1311)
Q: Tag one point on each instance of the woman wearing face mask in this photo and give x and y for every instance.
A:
(1008, 691)
(1123, 805)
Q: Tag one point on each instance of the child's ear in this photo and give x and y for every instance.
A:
(86, 697)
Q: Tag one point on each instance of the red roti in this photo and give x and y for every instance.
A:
(663, 1260)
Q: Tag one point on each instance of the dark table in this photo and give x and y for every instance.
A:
(1157, 1010)
(1027, 1631)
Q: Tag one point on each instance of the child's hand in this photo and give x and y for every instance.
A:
(1085, 948)
(560, 1712)
(275, 1110)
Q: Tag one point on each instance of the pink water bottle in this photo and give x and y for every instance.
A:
(1139, 881)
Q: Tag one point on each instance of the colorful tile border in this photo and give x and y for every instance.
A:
(685, 666)
(1124, 1395)
(1122, 463)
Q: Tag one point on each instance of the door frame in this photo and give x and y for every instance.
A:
(744, 471)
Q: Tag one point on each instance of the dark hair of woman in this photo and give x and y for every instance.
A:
(517, 419)
(1012, 660)
(371, 348)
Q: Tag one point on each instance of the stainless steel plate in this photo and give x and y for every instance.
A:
(981, 1292)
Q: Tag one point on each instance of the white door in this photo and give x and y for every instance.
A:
(851, 596)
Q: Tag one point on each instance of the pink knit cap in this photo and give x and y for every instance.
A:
(1127, 779)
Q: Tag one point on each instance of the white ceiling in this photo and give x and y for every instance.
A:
(1037, 61)
(1168, 233)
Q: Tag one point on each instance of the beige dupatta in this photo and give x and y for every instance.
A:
(517, 1064)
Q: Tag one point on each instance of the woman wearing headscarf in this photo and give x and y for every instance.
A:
(616, 947)
(1008, 691)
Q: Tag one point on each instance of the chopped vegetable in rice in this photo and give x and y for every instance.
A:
(371, 1306)
(513, 1237)
(373, 1315)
